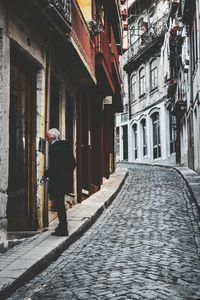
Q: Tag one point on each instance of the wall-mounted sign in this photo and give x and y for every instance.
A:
(42, 145)
(107, 100)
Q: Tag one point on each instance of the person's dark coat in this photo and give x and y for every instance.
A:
(61, 166)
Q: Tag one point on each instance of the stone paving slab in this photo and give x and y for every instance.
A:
(31, 256)
(143, 247)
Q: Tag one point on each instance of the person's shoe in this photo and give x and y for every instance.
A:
(61, 228)
(60, 232)
(58, 229)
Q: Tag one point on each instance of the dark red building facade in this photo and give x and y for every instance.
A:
(58, 70)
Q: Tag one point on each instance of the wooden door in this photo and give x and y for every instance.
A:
(21, 208)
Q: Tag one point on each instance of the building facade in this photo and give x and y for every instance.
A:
(162, 64)
(185, 69)
(151, 134)
(122, 119)
(59, 67)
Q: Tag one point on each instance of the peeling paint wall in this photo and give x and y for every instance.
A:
(37, 47)
(13, 30)
(4, 125)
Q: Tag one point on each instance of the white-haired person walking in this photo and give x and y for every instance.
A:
(60, 174)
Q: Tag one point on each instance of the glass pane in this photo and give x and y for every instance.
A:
(154, 133)
(158, 126)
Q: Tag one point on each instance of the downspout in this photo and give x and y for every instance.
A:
(46, 126)
(198, 36)
(191, 83)
(198, 76)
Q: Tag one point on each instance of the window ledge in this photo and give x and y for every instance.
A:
(157, 158)
(152, 91)
(141, 97)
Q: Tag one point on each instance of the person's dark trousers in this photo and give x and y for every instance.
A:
(60, 207)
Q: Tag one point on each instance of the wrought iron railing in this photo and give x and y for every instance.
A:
(104, 48)
(148, 37)
(64, 7)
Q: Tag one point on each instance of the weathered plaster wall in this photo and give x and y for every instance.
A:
(4, 120)
(14, 30)
(4, 127)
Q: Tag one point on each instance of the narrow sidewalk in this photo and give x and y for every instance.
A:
(31, 256)
(193, 181)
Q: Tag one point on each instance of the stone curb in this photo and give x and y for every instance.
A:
(191, 178)
(9, 285)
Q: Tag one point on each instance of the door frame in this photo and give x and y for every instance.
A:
(26, 66)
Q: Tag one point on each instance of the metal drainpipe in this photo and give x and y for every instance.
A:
(190, 75)
(198, 69)
(198, 36)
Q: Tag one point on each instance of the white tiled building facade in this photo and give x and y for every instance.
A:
(162, 68)
(151, 137)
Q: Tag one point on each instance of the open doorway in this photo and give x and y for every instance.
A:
(21, 207)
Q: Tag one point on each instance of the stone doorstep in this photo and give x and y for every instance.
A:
(5, 245)
(13, 238)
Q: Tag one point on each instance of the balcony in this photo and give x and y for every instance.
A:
(179, 108)
(179, 99)
(49, 14)
(147, 39)
(107, 66)
(64, 8)
(115, 59)
(174, 8)
(104, 60)
(81, 37)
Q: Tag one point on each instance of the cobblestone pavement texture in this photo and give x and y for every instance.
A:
(144, 246)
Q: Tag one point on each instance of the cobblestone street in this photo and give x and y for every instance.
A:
(144, 246)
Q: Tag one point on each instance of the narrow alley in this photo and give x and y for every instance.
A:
(144, 246)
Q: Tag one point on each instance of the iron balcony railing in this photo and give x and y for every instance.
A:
(147, 38)
(64, 7)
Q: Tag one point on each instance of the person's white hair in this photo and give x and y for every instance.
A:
(54, 133)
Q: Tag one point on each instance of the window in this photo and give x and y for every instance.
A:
(151, 15)
(133, 88)
(194, 44)
(135, 141)
(172, 133)
(144, 137)
(125, 142)
(156, 136)
(142, 31)
(153, 74)
(132, 35)
(117, 142)
(141, 28)
(142, 82)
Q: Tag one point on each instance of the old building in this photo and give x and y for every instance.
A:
(122, 119)
(185, 69)
(151, 135)
(59, 67)
(163, 68)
